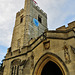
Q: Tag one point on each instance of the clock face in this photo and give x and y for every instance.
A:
(35, 21)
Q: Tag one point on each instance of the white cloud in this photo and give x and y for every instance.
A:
(2, 56)
(57, 10)
(8, 10)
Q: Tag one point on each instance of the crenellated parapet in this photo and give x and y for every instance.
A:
(36, 7)
(70, 26)
(63, 35)
(40, 10)
(19, 12)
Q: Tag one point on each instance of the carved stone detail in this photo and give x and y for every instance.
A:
(46, 45)
(32, 60)
(66, 54)
(73, 49)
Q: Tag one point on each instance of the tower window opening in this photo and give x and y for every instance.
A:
(21, 20)
(40, 19)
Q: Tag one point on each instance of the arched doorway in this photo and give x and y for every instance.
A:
(50, 64)
(51, 69)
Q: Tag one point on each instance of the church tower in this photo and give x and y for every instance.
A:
(30, 23)
(34, 53)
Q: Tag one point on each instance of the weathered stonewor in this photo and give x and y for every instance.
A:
(35, 50)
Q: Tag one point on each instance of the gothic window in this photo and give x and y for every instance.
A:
(12, 70)
(21, 19)
(15, 70)
(18, 70)
(15, 67)
(40, 19)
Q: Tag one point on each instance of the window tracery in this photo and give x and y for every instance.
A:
(15, 67)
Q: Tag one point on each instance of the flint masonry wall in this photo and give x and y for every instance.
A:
(25, 31)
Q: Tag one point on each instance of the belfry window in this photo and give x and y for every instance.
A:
(21, 19)
(40, 19)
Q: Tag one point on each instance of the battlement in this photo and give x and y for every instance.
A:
(70, 26)
(63, 35)
(36, 7)
(19, 13)
(40, 10)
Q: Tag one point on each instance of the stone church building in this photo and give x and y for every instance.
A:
(37, 51)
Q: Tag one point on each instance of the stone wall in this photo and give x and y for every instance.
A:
(26, 30)
(58, 43)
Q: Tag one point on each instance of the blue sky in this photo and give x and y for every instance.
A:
(59, 12)
(3, 51)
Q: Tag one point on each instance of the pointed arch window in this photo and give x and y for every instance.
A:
(40, 19)
(15, 67)
(21, 19)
